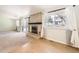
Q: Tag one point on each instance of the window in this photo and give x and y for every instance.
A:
(56, 20)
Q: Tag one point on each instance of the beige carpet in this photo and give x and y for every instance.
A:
(11, 39)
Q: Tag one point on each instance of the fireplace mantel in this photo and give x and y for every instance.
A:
(36, 23)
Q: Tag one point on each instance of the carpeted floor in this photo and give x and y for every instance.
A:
(11, 39)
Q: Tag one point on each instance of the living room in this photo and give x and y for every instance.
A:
(39, 28)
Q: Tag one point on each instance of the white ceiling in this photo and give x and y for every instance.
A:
(15, 11)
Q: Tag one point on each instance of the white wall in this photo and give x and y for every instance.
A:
(61, 34)
(55, 35)
(7, 24)
(65, 35)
